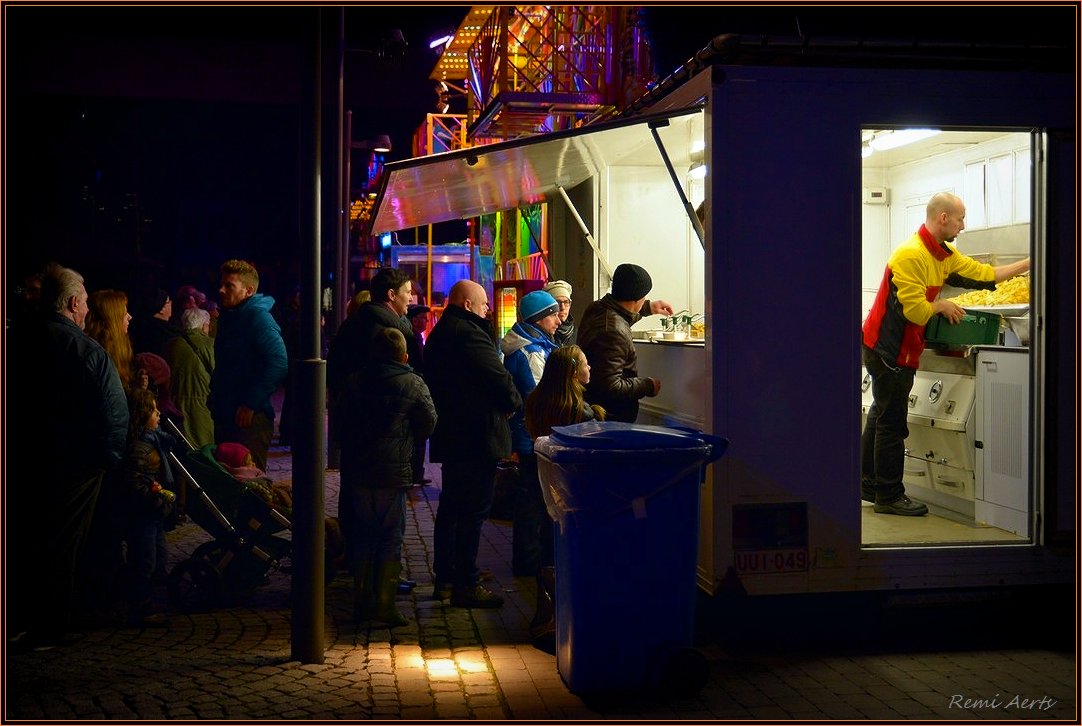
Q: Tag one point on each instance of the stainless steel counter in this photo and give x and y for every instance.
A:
(681, 367)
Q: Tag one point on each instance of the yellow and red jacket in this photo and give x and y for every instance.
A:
(915, 273)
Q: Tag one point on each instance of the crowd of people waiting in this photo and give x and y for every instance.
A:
(96, 381)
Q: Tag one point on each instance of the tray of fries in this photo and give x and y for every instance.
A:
(1011, 297)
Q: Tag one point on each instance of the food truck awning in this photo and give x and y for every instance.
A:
(490, 178)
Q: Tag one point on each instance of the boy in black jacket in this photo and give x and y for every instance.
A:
(385, 407)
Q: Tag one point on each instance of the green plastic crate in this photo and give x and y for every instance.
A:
(976, 328)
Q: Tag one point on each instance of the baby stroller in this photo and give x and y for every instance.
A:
(245, 528)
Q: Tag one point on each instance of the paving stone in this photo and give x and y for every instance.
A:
(235, 663)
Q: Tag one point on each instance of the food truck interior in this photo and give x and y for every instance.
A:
(967, 451)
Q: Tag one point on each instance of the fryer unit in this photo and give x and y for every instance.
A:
(967, 450)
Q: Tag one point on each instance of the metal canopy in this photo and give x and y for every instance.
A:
(485, 179)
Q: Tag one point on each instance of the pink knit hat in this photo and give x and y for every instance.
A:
(231, 454)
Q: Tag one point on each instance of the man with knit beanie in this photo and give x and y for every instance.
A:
(526, 347)
(561, 292)
(151, 326)
(605, 338)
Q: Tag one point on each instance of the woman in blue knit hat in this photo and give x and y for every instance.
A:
(526, 347)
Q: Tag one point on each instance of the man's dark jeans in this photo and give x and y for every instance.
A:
(882, 445)
(465, 500)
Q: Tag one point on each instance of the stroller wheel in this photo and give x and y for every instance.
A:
(194, 585)
(211, 552)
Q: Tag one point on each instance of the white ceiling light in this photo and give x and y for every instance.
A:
(885, 140)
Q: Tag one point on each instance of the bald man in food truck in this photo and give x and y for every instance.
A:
(605, 338)
(893, 340)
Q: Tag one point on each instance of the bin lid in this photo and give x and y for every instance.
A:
(621, 435)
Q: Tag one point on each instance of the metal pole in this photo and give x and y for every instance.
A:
(307, 583)
(694, 218)
(586, 231)
(342, 182)
(347, 247)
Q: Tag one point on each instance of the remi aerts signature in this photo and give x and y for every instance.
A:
(1006, 703)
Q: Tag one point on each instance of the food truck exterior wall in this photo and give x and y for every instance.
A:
(783, 321)
(782, 298)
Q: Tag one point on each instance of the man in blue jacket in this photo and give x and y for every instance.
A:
(526, 347)
(250, 362)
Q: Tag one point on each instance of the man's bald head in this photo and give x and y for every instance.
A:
(945, 216)
(469, 295)
(942, 202)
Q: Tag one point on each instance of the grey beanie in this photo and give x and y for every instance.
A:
(630, 282)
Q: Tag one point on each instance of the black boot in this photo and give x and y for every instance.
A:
(386, 581)
(364, 605)
(543, 625)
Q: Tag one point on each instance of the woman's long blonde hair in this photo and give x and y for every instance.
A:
(558, 398)
(105, 324)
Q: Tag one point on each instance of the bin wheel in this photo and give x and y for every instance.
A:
(685, 673)
(194, 585)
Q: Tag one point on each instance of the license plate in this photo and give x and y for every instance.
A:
(761, 562)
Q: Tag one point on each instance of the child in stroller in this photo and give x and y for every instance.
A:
(245, 526)
(237, 460)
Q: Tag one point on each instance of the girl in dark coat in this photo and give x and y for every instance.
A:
(146, 505)
(556, 401)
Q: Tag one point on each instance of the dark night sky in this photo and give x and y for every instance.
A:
(191, 113)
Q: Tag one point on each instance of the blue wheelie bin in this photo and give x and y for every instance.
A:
(625, 498)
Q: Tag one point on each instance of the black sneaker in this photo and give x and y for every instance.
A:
(442, 591)
(474, 597)
(904, 506)
(867, 492)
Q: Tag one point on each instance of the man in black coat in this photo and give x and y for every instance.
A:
(71, 430)
(349, 352)
(605, 338)
(474, 396)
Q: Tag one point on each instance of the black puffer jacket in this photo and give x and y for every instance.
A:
(605, 338)
(474, 393)
(349, 350)
(384, 409)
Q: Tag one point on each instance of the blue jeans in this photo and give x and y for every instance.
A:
(147, 554)
(465, 500)
(882, 445)
(373, 523)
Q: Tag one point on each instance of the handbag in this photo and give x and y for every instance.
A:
(505, 486)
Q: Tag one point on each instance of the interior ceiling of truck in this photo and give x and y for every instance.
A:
(486, 179)
(943, 143)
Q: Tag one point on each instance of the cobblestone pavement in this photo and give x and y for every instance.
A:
(234, 663)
